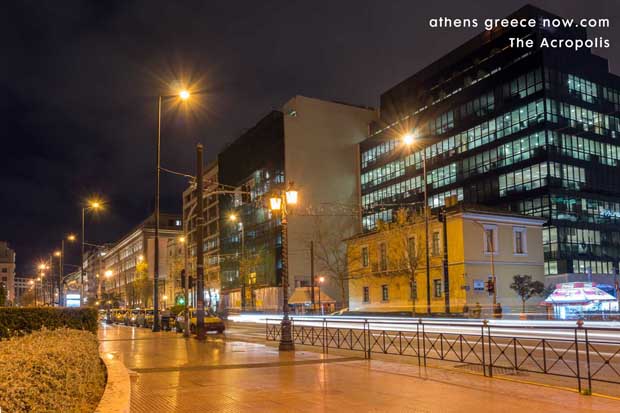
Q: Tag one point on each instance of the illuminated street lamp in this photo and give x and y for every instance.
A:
(184, 95)
(321, 280)
(409, 139)
(279, 204)
(92, 205)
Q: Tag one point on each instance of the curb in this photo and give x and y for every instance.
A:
(117, 394)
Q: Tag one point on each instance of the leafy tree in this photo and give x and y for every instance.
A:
(142, 287)
(526, 288)
(405, 247)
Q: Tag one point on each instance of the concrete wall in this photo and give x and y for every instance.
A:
(321, 158)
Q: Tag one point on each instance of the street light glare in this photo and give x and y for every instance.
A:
(108, 273)
(275, 203)
(291, 197)
(232, 217)
(57, 253)
(408, 139)
(182, 239)
(71, 237)
(184, 94)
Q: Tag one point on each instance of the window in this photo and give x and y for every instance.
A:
(4, 269)
(364, 257)
(490, 239)
(366, 294)
(411, 248)
(382, 257)
(385, 296)
(437, 288)
(435, 243)
(520, 240)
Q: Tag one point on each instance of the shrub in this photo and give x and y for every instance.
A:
(51, 371)
(19, 321)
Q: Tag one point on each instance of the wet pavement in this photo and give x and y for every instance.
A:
(173, 374)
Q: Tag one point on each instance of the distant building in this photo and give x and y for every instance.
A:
(387, 267)
(128, 265)
(94, 269)
(22, 284)
(7, 270)
(313, 144)
(534, 130)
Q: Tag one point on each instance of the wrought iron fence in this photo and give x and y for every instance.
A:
(585, 354)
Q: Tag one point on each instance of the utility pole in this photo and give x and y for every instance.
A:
(312, 274)
(156, 326)
(60, 271)
(200, 300)
(426, 224)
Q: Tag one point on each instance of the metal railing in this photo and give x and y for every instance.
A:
(587, 355)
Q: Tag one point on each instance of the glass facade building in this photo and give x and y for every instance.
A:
(530, 130)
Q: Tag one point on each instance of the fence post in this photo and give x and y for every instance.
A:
(417, 333)
(369, 344)
(544, 356)
(423, 341)
(588, 361)
(577, 355)
(486, 322)
(325, 342)
(484, 362)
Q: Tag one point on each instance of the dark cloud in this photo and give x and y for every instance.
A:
(79, 80)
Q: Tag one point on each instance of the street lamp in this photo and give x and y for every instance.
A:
(183, 95)
(409, 139)
(91, 205)
(61, 258)
(321, 280)
(278, 204)
(234, 219)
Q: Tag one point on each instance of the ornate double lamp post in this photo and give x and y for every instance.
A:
(279, 203)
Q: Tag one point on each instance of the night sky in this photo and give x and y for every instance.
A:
(80, 81)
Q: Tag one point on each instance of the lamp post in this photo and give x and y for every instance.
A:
(321, 279)
(42, 268)
(34, 286)
(92, 205)
(183, 95)
(234, 219)
(279, 203)
(409, 140)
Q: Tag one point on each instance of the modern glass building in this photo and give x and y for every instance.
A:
(532, 130)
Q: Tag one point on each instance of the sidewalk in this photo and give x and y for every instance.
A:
(173, 374)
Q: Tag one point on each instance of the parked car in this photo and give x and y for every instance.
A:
(132, 316)
(145, 318)
(212, 322)
(118, 316)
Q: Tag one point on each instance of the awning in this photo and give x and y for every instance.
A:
(303, 295)
(578, 295)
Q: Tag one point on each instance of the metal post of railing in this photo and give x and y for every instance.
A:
(577, 358)
(418, 339)
(369, 348)
(400, 343)
(490, 353)
(588, 361)
(423, 342)
(514, 346)
(325, 339)
(484, 363)
(544, 356)
(441, 346)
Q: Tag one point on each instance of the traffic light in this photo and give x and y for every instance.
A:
(182, 278)
(191, 282)
(490, 286)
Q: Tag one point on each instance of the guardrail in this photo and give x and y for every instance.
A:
(587, 355)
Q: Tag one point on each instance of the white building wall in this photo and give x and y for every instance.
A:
(321, 158)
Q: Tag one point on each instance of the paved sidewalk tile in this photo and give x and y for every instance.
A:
(173, 374)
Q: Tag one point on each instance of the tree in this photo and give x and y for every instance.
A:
(331, 251)
(526, 288)
(249, 266)
(142, 286)
(27, 298)
(405, 247)
(3, 295)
